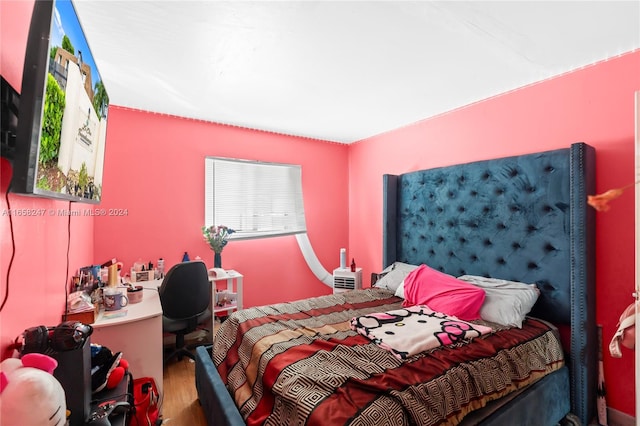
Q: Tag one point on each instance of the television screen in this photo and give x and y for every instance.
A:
(62, 124)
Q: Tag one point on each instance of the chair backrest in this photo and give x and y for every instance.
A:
(185, 291)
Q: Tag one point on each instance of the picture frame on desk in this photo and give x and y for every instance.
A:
(137, 276)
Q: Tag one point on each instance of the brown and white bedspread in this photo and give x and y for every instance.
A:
(300, 363)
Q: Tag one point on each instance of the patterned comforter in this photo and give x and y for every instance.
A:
(300, 363)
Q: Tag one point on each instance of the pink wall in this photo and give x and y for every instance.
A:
(593, 105)
(154, 170)
(38, 274)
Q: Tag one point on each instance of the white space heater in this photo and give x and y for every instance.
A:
(345, 280)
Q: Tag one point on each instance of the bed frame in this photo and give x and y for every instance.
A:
(521, 218)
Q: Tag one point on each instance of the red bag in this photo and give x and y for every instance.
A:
(145, 400)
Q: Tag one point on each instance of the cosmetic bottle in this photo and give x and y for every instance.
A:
(160, 268)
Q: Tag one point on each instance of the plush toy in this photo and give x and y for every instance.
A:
(107, 368)
(29, 394)
(626, 333)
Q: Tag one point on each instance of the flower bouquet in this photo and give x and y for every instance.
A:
(217, 237)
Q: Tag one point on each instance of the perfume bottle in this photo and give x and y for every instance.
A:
(353, 265)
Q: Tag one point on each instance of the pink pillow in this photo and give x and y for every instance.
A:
(443, 293)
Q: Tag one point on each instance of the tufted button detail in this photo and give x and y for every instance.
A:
(487, 243)
(544, 284)
(501, 226)
(532, 265)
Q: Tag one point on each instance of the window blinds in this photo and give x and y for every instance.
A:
(255, 199)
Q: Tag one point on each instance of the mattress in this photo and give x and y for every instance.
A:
(301, 363)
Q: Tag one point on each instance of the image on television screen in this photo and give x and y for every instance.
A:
(74, 118)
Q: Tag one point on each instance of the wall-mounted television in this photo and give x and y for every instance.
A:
(62, 122)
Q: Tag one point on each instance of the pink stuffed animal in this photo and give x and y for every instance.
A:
(29, 394)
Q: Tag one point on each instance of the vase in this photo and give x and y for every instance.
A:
(217, 259)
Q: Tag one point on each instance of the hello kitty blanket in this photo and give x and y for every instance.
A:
(406, 332)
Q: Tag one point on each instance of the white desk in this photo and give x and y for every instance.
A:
(138, 334)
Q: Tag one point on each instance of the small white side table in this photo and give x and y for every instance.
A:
(234, 285)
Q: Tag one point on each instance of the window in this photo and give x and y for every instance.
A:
(253, 198)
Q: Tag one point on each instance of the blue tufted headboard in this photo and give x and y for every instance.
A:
(521, 218)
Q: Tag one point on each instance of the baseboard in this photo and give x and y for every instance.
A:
(618, 418)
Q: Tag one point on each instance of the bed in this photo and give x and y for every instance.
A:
(521, 218)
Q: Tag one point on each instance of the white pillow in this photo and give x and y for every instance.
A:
(400, 290)
(506, 302)
(395, 276)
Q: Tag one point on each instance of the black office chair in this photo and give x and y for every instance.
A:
(185, 295)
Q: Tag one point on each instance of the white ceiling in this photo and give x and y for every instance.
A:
(341, 70)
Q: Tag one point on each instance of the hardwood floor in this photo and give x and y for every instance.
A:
(180, 405)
